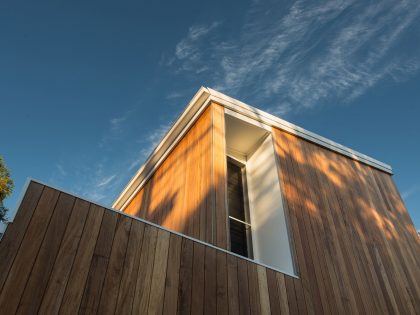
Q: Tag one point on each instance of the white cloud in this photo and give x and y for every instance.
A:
(308, 53)
(105, 180)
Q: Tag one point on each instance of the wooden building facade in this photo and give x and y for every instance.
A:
(342, 241)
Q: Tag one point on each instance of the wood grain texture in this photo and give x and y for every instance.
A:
(87, 259)
(130, 269)
(28, 251)
(354, 242)
(38, 280)
(187, 191)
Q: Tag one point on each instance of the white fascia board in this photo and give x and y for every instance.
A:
(195, 107)
(279, 123)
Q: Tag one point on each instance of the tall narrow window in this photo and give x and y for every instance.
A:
(239, 222)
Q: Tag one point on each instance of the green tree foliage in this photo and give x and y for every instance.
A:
(6, 187)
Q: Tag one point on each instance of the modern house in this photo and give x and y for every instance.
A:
(236, 211)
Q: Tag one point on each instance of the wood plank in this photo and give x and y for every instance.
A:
(80, 269)
(98, 266)
(254, 292)
(363, 236)
(391, 260)
(172, 275)
(243, 289)
(273, 292)
(207, 181)
(290, 197)
(219, 175)
(210, 281)
(15, 231)
(130, 269)
(281, 283)
(144, 276)
(222, 284)
(185, 277)
(305, 254)
(38, 280)
(25, 258)
(157, 289)
(322, 241)
(111, 284)
(291, 296)
(329, 200)
(233, 291)
(197, 298)
(59, 276)
(263, 288)
(309, 211)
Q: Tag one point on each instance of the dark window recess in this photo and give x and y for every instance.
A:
(239, 226)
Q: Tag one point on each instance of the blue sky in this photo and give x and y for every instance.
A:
(88, 88)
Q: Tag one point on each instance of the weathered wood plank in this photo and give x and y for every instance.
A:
(130, 269)
(273, 292)
(185, 277)
(172, 275)
(210, 281)
(15, 232)
(80, 268)
(157, 289)
(38, 280)
(222, 283)
(94, 284)
(254, 292)
(27, 253)
(263, 288)
(243, 288)
(144, 276)
(233, 291)
(59, 276)
(114, 270)
(197, 298)
(284, 306)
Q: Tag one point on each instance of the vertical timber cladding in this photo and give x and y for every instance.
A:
(187, 191)
(356, 248)
(66, 255)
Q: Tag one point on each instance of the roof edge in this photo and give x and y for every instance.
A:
(192, 111)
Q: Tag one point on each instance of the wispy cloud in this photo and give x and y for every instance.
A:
(105, 180)
(115, 127)
(189, 54)
(410, 192)
(308, 53)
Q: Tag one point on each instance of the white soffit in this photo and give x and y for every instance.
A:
(242, 137)
(193, 110)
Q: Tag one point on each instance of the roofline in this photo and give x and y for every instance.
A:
(195, 107)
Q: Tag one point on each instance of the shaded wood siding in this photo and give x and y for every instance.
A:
(66, 255)
(356, 248)
(187, 193)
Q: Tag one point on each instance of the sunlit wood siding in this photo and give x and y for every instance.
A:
(187, 191)
(356, 248)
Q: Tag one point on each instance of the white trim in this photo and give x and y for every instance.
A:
(233, 107)
(279, 123)
(29, 180)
